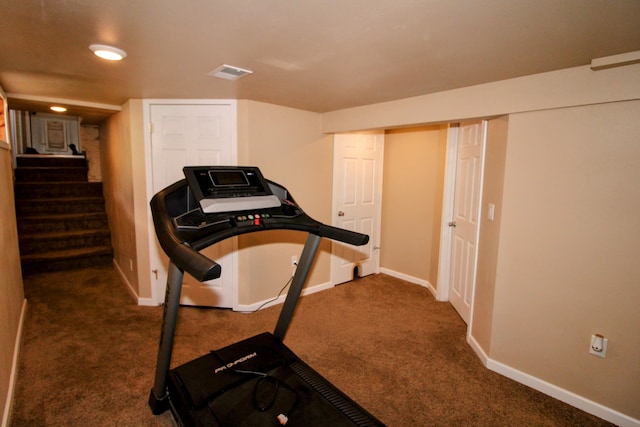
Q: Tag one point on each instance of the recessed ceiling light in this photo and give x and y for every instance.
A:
(108, 52)
(58, 109)
(229, 72)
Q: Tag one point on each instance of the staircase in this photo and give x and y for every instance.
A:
(62, 223)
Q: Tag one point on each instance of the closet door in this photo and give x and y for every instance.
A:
(357, 194)
(466, 215)
(194, 135)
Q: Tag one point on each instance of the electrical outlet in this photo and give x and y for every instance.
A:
(598, 345)
(294, 263)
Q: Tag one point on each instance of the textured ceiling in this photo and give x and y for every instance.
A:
(317, 55)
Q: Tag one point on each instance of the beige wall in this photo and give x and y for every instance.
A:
(90, 143)
(11, 289)
(556, 89)
(412, 201)
(289, 148)
(118, 179)
(568, 263)
(282, 141)
(141, 200)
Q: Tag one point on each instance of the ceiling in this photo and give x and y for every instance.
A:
(316, 55)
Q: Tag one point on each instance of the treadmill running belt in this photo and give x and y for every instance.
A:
(252, 383)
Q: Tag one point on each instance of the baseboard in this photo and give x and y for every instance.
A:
(6, 416)
(140, 301)
(271, 302)
(484, 358)
(554, 391)
(147, 302)
(408, 278)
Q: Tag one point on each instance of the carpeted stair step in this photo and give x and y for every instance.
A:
(48, 174)
(50, 161)
(47, 242)
(66, 260)
(62, 222)
(53, 206)
(49, 190)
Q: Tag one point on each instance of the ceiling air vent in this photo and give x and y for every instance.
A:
(229, 72)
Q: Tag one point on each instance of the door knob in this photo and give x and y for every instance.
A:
(340, 213)
(452, 224)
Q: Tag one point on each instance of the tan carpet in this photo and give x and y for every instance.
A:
(89, 353)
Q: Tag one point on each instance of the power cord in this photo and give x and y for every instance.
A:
(273, 299)
(259, 392)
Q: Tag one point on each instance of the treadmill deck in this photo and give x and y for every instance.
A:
(254, 382)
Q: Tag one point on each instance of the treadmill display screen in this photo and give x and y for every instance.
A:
(228, 178)
(229, 188)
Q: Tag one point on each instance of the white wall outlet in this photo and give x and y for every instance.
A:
(294, 261)
(598, 345)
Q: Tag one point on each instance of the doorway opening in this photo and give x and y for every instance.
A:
(418, 204)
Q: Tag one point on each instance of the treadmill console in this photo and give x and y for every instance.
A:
(214, 203)
(227, 188)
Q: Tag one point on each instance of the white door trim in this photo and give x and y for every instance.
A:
(157, 295)
(446, 233)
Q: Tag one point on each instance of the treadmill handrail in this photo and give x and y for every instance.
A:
(186, 255)
(178, 251)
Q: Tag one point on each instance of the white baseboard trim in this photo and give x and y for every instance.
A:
(554, 391)
(6, 416)
(484, 358)
(408, 278)
(141, 301)
(549, 389)
(249, 308)
(148, 302)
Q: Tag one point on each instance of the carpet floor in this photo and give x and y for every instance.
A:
(88, 355)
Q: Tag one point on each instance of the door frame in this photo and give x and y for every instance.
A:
(448, 198)
(157, 288)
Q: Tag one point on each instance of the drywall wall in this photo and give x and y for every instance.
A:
(568, 257)
(289, 148)
(412, 201)
(11, 288)
(283, 142)
(90, 143)
(118, 186)
(556, 89)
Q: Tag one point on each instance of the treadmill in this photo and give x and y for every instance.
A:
(258, 381)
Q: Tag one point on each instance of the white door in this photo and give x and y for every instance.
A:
(466, 215)
(194, 135)
(357, 192)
